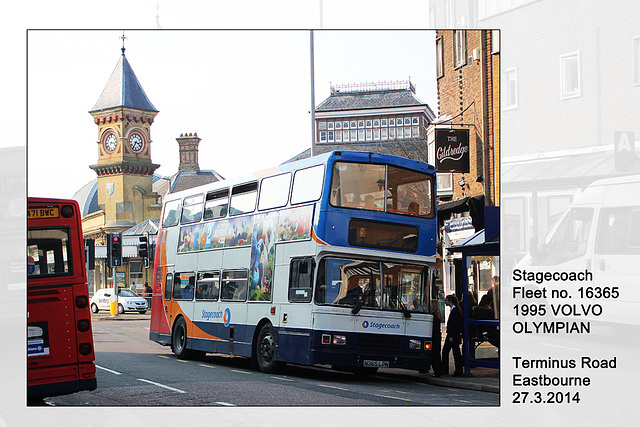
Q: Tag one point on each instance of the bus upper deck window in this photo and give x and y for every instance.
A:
(307, 184)
(192, 209)
(243, 198)
(170, 214)
(216, 204)
(274, 191)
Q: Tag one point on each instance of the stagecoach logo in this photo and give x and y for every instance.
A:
(376, 325)
(452, 150)
(227, 317)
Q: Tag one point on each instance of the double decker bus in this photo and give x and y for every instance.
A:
(323, 261)
(60, 350)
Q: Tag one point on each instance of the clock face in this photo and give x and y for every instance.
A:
(110, 142)
(136, 142)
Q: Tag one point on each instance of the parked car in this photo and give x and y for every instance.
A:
(127, 301)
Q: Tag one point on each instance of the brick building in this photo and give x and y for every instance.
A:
(468, 65)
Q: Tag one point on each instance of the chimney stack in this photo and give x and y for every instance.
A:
(188, 152)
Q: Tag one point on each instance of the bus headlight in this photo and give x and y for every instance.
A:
(415, 344)
(427, 345)
(339, 339)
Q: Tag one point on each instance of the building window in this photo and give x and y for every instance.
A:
(495, 41)
(510, 98)
(345, 135)
(338, 136)
(330, 136)
(322, 125)
(445, 184)
(369, 135)
(392, 133)
(439, 58)
(384, 134)
(330, 125)
(323, 136)
(459, 48)
(360, 124)
(376, 134)
(383, 122)
(338, 125)
(360, 134)
(368, 123)
(354, 135)
(571, 76)
(135, 271)
(376, 123)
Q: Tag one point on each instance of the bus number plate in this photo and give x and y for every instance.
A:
(37, 213)
(375, 363)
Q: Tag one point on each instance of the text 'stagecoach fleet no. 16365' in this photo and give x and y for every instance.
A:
(327, 260)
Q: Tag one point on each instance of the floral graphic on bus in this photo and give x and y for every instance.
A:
(285, 225)
(263, 240)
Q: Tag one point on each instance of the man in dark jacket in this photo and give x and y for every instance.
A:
(453, 338)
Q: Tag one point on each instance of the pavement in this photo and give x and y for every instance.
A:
(481, 379)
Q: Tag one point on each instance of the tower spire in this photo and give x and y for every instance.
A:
(123, 37)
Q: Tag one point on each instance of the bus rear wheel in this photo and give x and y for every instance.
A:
(266, 350)
(179, 339)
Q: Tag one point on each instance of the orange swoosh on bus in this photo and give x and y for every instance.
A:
(315, 237)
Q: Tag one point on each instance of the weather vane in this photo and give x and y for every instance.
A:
(123, 37)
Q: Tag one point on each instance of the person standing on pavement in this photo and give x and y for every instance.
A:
(452, 340)
(436, 339)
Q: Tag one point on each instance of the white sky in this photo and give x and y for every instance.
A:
(234, 88)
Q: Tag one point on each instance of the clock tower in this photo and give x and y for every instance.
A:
(124, 116)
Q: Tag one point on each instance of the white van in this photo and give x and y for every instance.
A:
(599, 232)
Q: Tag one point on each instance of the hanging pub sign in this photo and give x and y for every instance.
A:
(452, 150)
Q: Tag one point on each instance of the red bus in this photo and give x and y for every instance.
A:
(60, 350)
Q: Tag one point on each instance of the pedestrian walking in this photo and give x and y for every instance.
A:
(452, 340)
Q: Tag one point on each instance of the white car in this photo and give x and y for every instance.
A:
(127, 301)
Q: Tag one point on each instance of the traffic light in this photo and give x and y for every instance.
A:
(114, 249)
(90, 248)
(143, 248)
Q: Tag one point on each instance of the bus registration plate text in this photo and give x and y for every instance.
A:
(376, 363)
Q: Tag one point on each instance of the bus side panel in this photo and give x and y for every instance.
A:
(294, 345)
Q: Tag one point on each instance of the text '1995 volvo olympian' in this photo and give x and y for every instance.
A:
(326, 260)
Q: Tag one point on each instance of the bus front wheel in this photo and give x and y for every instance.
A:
(266, 350)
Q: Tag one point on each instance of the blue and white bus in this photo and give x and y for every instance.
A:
(326, 261)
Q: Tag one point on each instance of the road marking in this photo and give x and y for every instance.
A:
(206, 366)
(281, 378)
(161, 385)
(164, 357)
(394, 391)
(393, 397)
(242, 372)
(182, 361)
(332, 386)
(109, 370)
(225, 404)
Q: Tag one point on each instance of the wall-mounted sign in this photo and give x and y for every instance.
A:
(452, 150)
(625, 148)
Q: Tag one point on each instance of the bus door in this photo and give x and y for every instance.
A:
(182, 296)
(167, 320)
